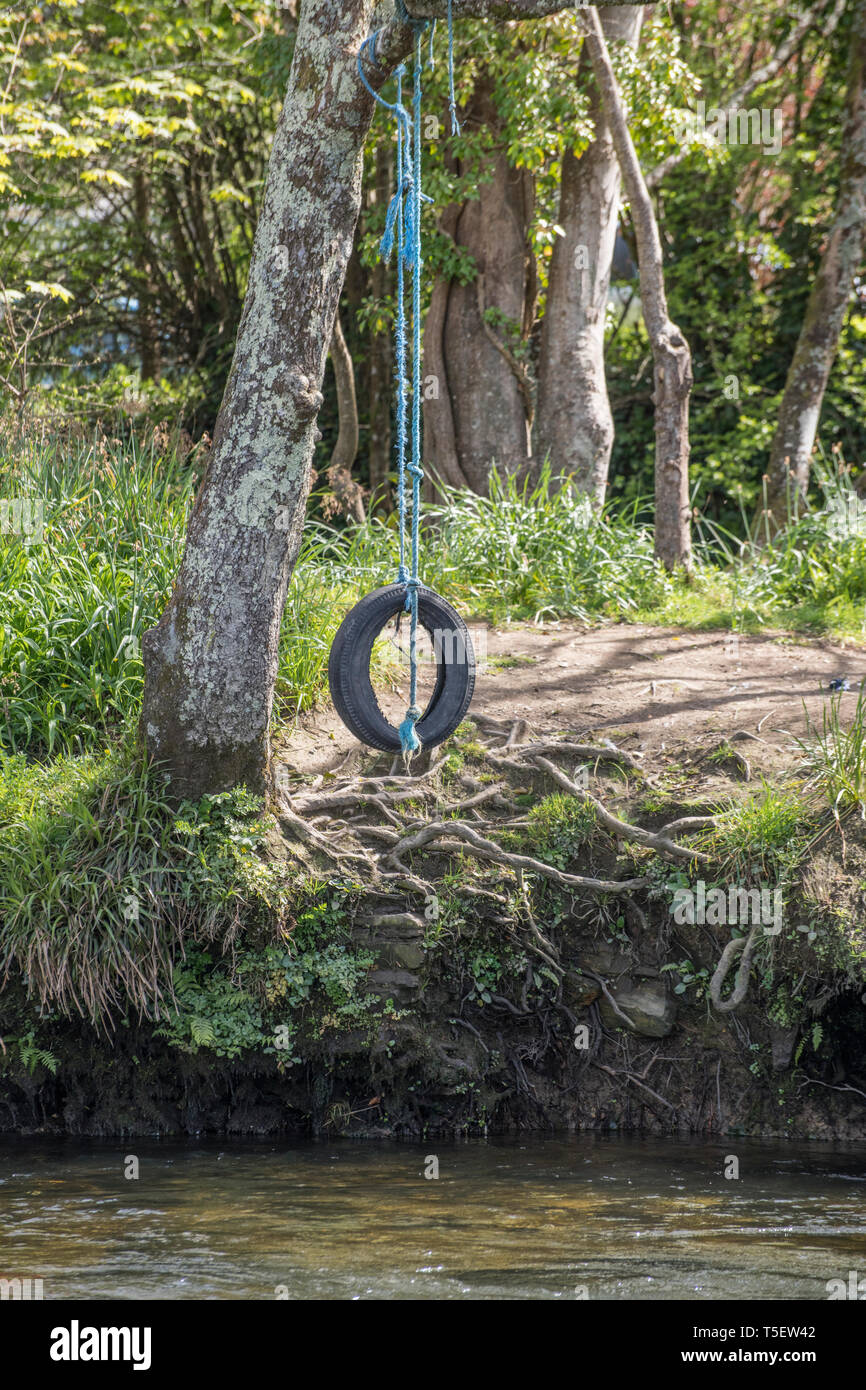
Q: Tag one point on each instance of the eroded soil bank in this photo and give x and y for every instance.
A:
(535, 926)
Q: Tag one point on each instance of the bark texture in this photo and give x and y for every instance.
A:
(347, 490)
(672, 362)
(574, 423)
(380, 350)
(478, 399)
(809, 372)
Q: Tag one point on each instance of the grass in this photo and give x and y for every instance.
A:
(75, 603)
(102, 882)
(834, 757)
(764, 832)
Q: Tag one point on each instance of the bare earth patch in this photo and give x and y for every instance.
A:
(659, 690)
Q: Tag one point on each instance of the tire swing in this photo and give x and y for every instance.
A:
(349, 662)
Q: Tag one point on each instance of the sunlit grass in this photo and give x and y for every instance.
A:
(834, 756)
(766, 830)
(75, 604)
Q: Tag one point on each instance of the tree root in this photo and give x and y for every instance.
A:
(374, 842)
(657, 841)
(431, 836)
(746, 945)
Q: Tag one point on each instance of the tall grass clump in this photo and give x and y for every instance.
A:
(834, 756)
(539, 552)
(809, 575)
(76, 600)
(104, 884)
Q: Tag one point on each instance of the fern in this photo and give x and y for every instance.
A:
(33, 1056)
(202, 1031)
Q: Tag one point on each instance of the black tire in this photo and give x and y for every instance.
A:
(349, 668)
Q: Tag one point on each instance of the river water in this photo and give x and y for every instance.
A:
(567, 1217)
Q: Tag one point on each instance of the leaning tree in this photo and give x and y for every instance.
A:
(211, 661)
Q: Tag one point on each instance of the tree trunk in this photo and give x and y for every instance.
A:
(574, 423)
(671, 357)
(799, 412)
(440, 443)
(379, 358)
(347, 490)
(477, 400)
(211, 661)
(148, 335)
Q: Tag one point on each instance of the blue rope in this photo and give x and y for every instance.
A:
(452, 100)
(409, 740)
(403, 219)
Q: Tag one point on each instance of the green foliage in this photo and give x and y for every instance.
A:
(315, 981)
(32, 1056)
(76, 600)
(560, 826)
(764, 834)
(102, 882)
(834, 755)
(212, 1011)
(540, 552)
(696, 977)
(133, 147)
(489, 968)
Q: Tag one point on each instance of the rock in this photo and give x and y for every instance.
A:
(396, 939)
(408, 955)
(579, 990)
(648, 1005)
(782, 1046)
(607, 960)
(399, 985)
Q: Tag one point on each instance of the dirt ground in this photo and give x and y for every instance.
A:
(655, 690)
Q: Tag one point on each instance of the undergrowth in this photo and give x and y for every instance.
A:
(104, 537)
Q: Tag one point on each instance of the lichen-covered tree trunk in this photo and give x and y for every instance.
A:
(379, 351)
(211, 661)
(800, 410)
(573, 423)
(672, 360)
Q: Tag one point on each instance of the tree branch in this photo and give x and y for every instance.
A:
(756, 79)
(496, 9)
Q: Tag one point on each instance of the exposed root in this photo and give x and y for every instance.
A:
(431, 835)
(361, 822)
(657, 841)
(746, 945)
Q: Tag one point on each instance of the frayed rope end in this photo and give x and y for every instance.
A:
(409, 740)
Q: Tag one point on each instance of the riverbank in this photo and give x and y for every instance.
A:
(535, 930)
